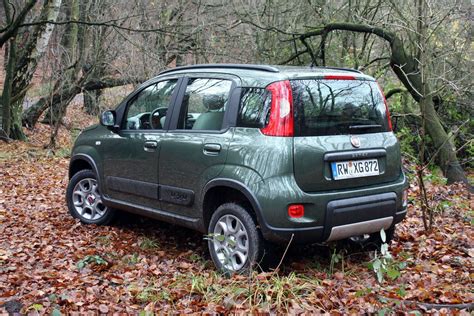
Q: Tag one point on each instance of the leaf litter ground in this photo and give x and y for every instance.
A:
(50, 263)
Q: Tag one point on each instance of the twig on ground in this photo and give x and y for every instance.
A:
(284, 254)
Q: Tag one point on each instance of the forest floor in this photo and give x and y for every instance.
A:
(50, 263)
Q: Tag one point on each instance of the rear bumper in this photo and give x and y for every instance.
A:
(345, 218)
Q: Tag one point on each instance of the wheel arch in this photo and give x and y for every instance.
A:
(81, 162)
(219, 191)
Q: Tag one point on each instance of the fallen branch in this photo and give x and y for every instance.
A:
(467, 306)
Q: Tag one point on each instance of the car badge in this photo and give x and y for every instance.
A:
(355, 141)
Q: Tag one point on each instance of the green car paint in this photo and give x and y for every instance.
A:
(174, 174)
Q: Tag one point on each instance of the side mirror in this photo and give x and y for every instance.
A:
(107, 119)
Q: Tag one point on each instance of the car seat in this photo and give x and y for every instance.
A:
(214, 115)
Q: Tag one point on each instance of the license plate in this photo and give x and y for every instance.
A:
(355, 169)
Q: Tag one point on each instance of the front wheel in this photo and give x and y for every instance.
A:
(235, 244)
(84, 200)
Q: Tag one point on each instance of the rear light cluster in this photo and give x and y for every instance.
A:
(281, 113)
(389, 120)
(339, 77)
(296, 210)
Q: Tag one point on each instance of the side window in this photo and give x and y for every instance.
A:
(204, 104)
(254, 107)
(148, 109)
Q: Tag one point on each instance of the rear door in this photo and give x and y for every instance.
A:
(195, 148)
(343, 137)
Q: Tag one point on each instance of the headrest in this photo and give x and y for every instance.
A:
(213, 102)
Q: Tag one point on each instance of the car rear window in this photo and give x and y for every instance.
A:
(335, 107)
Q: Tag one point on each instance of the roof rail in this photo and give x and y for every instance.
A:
(228, 66)
(338, 68)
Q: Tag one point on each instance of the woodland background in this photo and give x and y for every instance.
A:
(64, 61)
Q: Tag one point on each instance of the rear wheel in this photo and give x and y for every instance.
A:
(85, 201)
(235, 244)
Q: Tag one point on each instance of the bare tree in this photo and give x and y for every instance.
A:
(25, 49)
(132, 48)
(404, 56)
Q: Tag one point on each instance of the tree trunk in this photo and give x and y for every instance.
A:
(447, 159)
(22, 65)
(406, 69)
(71, 59)
(91, 101)
(32, 114)
(7, 89)
(58, 110)
(59, 103)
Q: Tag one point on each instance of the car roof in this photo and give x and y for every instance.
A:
(252, 75)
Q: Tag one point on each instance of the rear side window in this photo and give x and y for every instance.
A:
(254, 107)
(335, 107)
(204, 104)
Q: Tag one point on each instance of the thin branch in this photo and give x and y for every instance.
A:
(352, 27)
(295, 47)
(8, 15)
(271, 28)
(103, 23)
(284, 254)
(373, 61)
(11, 29)
(400, 67)
(322, 48)
(294, 56)
(394, 91)
(314, 61)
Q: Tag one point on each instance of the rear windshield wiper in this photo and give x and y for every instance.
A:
(365, 126)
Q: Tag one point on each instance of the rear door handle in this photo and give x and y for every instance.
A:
(150, 145)
(212, 149)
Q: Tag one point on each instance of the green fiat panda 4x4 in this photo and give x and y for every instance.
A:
(248, 155)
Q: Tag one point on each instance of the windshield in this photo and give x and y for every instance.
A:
(335, 107)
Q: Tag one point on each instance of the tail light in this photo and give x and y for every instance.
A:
(386, 108)
(296, 210)
(281, 112)
(339, 77)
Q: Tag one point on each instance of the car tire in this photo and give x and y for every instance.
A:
(84, 200)
(235, 243)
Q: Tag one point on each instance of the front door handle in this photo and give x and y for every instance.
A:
(212, 149)
(150, 145)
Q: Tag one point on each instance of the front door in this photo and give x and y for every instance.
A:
(194, 150)
(131, 155)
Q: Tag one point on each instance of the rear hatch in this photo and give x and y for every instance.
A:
(342, 134)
